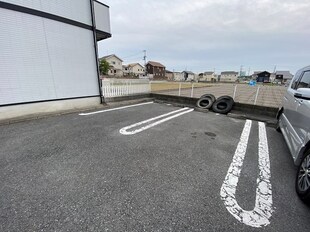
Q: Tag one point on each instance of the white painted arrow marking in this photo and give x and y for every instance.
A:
(262, 211)
(125, 131)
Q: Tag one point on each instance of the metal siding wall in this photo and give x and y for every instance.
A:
(78, 10)
(42, 59)
(102, 16)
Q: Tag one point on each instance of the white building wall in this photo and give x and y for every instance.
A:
(137, 70)
(208, 77)
(228, 78)
(191, 77)
(78, 10)
(178, 76)
(43, 59)
(115, 62)
(117, 66)
(102, 17)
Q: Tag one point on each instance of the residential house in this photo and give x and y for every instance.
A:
(262, 76)
(125, 69)
(134, 69)
(189, 76)
(116, 65)
(156, 69)
(254, 75)
(169, 75)
(283, 76)
(178, 76)
(229, 76)
(208, 76)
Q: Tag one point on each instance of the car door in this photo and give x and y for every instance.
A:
(289, 109)
(301, 124)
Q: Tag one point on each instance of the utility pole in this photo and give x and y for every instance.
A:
(144, 58)
(275, 69)
(241, 67)
(249, 71)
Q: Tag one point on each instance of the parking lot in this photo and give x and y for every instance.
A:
(147, 167)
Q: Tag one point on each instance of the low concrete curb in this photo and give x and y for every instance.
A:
(240, 110)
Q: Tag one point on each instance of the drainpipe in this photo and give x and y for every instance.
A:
(96, 49)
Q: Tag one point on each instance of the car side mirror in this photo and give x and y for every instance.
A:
(303, 93)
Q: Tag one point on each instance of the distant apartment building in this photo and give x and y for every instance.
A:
(229, 76)
(156, 69)
(116, 65)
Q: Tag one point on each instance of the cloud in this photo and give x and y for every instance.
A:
(204, 34)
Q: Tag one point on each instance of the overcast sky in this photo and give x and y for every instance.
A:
(203, 35)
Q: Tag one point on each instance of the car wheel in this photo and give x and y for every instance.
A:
(302, 183)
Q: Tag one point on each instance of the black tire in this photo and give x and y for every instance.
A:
(302, 183)
(209, 95)
(223, 105)
(229, 98)
(205, 103)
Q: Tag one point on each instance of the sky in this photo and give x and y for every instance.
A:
(207, 35)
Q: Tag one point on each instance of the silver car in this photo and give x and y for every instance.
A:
(294, 123)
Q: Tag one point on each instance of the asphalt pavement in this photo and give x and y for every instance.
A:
(144, 168)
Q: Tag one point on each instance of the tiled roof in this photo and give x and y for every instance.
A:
(134, 64)
(229, 73)
(106, 57)
(284, 73)
(189, 72)
(208, 73)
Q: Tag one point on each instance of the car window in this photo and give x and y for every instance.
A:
(304, 81)
(295, 80)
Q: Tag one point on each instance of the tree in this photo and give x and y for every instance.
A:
(104, 67)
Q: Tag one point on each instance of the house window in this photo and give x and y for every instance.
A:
(113, 62)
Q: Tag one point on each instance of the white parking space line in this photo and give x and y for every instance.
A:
(114, 109)
(262, 211)
(125, 131)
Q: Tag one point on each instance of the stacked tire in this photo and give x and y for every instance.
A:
(222, 105)
(206, 101)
